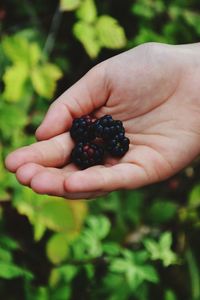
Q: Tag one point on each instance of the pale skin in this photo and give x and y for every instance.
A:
(154, 90)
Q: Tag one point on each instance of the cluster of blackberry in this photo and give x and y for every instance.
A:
(93, 137)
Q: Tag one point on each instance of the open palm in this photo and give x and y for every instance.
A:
(154, 90)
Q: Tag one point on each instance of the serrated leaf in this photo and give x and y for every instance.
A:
(44, 79)
(149, 273)
(91, 246)
(134, 273)
(57, 248)
(110, 33)
(161, 250)
(19, 49)
(99, 225)
(87, 11)
(67, 5)
(152, 247)
(14, 79)
(86, 34)
(16, 48)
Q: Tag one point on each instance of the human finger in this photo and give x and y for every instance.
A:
(50, 153)
(86, 95)
(106, 179)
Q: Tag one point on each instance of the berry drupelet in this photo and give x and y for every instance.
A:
(118, 145)
(83, 129)
(107, 128)
(86, 154)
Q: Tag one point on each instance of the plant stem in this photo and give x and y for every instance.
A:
(50, 41)
(194, 275)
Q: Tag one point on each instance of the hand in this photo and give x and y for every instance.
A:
(154, 90)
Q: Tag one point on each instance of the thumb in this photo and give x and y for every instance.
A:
(88, 94)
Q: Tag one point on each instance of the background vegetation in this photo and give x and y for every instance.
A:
(137, 245)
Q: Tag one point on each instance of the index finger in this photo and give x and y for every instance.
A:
(88, 94)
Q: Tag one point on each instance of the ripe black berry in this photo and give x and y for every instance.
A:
(118, 146)
(86, 154)
(106, 127)
(82, 129)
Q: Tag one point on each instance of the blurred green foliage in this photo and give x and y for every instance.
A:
(138, 245)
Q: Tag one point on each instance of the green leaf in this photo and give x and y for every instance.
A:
(39, 230)
(61, 293)
(87, 11)
(169, 295)
(57, 248)
(165, 240)
(149, 273)
(12, 119)
(111, 248)
(193, 19)
(162, 211)
(8, 242)
(146, 34)
(148, 9)
(67, 5)
(5, 255)
(119, 265)
(194, 197)
(100, 226)
(153, 248)
(19, 49)
(110, 33)
(135, 273)
(14, 79)
(161, 250)
(91, 244)
(143, 10)
(35, 54)
(56, 215)
(16, 48)
(79, 210)
(50, 212)
(4, 196)
(44, 79)
(67, 272)
(133, 207)
(86, 34)
(9, 271)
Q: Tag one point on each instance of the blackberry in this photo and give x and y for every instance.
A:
(106, 127)
(86, 154)
(82, 129)
(118, 146)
